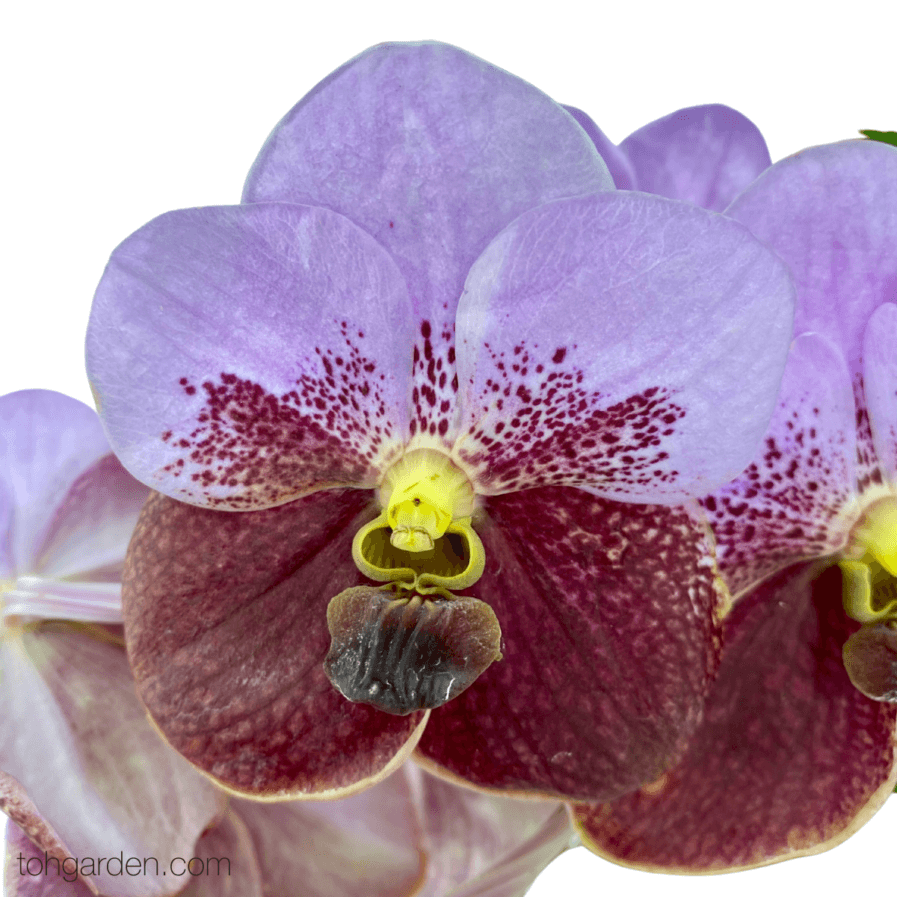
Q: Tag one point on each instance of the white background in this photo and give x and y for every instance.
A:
(116, 112)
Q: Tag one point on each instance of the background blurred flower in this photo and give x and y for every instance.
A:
(411, 834)
(81, 769)
(417, 268)
(791, 758)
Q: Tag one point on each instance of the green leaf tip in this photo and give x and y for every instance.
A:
(881, 136)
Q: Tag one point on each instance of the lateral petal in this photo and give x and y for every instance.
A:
(226, 625)
(244, 356)
(790, 760)
(621, 342)
(610, 622)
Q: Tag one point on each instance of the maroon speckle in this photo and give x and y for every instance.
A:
(556, 432)
(272, 446)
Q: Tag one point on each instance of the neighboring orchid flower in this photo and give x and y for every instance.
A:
(429, 355)
(81, 769)
(409, 835)
(791, 757)
(704, 154)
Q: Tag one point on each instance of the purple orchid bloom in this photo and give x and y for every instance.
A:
(409, 835)
(703, 154)
(794, 755)
(81, 769)
(434, 351)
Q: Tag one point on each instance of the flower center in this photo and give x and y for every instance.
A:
(423, 540)
(869, 568)
(869, 584)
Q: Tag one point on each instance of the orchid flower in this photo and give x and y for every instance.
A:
(81, 769)
(420, 415)
(409, 835)
(797, 748)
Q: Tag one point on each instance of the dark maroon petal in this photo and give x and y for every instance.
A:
(609, 618)
(790, 760)
(225, 619)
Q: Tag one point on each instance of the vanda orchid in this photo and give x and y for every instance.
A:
(797, 747)
(108, 807)
(421, 415)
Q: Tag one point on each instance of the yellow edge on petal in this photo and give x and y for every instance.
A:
(384, 772)
(432, 767)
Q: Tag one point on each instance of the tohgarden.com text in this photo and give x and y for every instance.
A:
(70, 867)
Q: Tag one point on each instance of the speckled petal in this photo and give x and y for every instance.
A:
(49, 441)
(791, 501)
(622, 342)
(704, 154)
(609, 615)
(433, 151)
(880, 385)
(617, 161)
(86, 775)
(484, 845)
(226, 625)
(790, 760)
(244, 356)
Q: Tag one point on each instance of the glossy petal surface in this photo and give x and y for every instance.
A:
(225, 619)
(432, 151)
(788, 503)
(704, 154)
(622, 342)
(617, 161)
(791, 759)
(880, 385)
(92, 777)
(244, 356)
(609, 616)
